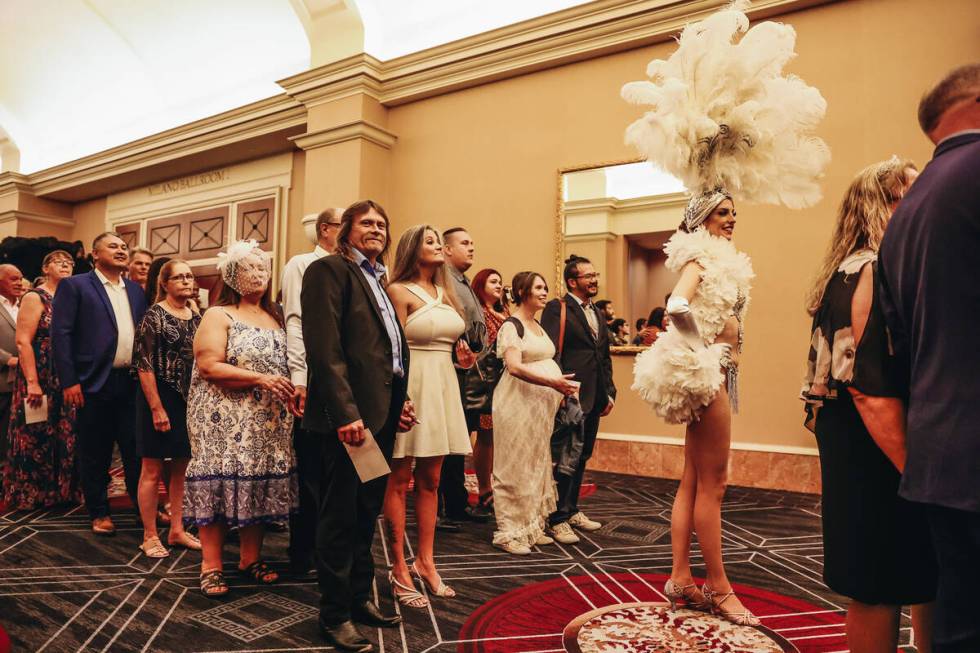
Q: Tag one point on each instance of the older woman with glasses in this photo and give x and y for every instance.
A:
(40, 470)
(164, 359)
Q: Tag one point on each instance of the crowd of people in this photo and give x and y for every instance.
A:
(255, 413)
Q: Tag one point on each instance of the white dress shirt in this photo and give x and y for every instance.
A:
(125, 329)
(11, 307)
(292, 285)
(590, 315)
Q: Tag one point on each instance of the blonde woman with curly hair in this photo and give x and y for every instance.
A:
(877, 550)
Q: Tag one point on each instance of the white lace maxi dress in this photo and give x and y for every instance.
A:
(523, 418)
(243, 469)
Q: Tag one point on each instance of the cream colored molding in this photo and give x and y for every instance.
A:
(28, 216)
(582, 32)
(240, 182)
(739, 446)
(14, 182)
(590, 30)
(669, 200)
(359, 74)
(252, 120)
(358, 129)
(591, 237)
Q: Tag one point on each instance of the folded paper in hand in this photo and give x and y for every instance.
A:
(369, 461)
(34, 415)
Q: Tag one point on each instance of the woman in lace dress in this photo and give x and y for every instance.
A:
(164, 357)
(243, 470)
(433, 326)
(524, 406)
(40, 469)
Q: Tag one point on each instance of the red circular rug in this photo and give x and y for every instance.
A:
(535, 617)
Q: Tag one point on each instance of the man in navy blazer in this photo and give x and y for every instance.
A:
(93, 331)
(930, 296)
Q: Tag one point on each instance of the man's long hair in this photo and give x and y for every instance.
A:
(354, 211)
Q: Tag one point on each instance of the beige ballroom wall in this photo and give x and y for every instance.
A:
(487, 158)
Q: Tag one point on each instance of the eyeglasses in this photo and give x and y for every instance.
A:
(590, 276)
(332, 224)
(181, 277)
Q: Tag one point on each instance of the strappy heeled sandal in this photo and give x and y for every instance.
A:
(443, 591)
(685, 595)
(261, 572)
(409, 597)
(213, 583)
(743, 618)
(153, 548)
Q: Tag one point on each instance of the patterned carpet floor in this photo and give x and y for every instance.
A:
(63, 589)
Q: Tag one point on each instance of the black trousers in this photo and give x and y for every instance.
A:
(569, 486)
(108, 417)
(347, 515)
(453, 497)
(302, 524)
(956, 538)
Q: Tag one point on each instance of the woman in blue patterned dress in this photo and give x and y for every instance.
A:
(243, 470)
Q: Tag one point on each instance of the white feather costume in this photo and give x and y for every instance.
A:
(724, 119)
(678, 381)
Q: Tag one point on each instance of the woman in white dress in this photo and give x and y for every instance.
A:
(433, 325)
(524, 406)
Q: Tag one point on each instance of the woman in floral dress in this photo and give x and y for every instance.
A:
(243, 471)
(40, 469)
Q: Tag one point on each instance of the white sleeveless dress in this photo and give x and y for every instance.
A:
(432, 332)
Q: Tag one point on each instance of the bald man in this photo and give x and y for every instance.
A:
(11, 288)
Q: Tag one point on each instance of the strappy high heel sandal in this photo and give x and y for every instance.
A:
(444, 591)
(686, 595)
(743, 618)
(409, 596)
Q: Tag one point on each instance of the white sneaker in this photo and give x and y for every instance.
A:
(583, 523)
(543, 540)
(514, 548)
(563, 533)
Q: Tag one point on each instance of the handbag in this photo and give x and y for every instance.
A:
(567, 438)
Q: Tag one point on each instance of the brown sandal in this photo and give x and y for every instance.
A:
(261, 572)
(213, 583)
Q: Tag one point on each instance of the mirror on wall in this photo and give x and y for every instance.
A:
(619, 215)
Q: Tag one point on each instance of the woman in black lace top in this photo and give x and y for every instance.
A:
(164, 358)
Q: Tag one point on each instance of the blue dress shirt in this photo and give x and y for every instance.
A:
(373, 275)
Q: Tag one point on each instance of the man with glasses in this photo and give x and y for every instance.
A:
(302, 525)
(584, 346)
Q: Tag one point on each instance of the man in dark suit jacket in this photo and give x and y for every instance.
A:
(358, 368)
(931, 301)
(585, 351)
(94, 319)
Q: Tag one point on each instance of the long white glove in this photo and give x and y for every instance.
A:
(681, 317)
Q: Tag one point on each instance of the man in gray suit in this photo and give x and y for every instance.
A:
(11, 288)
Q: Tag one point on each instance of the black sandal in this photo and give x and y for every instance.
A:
(261, 572)
(213, 583)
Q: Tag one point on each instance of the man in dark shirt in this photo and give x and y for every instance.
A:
(930, 295)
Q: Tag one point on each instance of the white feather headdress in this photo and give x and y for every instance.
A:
(723, 116)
